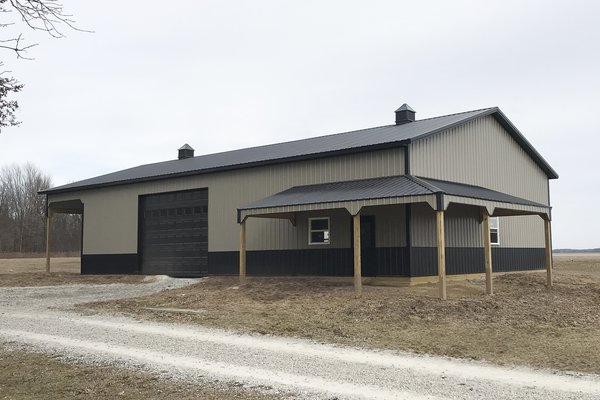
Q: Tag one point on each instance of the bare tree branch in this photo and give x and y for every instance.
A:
(40, 15)
(15, 45)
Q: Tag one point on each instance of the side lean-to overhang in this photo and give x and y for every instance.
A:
(404, 189)
(388, 136)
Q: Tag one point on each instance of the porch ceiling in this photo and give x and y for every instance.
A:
(403, 189)
(66, 207)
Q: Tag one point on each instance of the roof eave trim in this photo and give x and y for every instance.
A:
(241, 209)
(532, 204)
(353, 150)
(520, 138)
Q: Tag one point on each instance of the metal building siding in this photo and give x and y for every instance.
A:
(423, 230)
(464, 230)
(390, 225)
(462, 226)
(339, 224)
(110, 222)
(111, 213)
(525, 231)
(480, 153)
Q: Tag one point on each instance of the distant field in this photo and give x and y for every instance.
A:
(29, 265)
(64, 270)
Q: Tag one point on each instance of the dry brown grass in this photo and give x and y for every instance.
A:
(64, 270)
(523, 323)
(32, 376)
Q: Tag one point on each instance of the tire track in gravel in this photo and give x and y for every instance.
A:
(308, 369)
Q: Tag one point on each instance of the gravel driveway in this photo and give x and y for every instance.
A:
(40, 317)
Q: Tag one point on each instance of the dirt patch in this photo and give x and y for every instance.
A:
(523, 323)
(36, 376)
(65, 270)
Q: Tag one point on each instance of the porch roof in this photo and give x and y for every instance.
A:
(400, 189)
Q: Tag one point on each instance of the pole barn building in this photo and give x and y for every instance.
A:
(457, 194)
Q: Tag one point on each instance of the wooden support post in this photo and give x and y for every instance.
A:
(48, 237)
(549, 265)
(487, 250)
(441, 250)
(357, 261)
(243, 252)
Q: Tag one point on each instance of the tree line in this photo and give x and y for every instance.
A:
(23, 214)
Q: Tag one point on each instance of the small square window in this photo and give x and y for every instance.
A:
(495, 230)
(318, 230)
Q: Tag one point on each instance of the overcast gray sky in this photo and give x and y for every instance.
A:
(221, 75)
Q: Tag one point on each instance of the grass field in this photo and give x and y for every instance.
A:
(64, 270)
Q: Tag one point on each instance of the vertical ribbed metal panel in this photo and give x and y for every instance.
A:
(462, 225)
(111, 213)
(463, 228)
(521, 231)
(390, 223)
(423, 226)
(481, 153)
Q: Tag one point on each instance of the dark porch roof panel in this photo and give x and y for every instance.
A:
(341, 143)
(381, 188)
(475, 192)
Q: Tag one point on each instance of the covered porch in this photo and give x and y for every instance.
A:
(60, 207)
(360, 197)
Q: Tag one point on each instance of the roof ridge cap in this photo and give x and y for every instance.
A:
(423, 184)
(462, 112)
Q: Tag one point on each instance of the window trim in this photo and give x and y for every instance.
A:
(310, 231)
(497, 229)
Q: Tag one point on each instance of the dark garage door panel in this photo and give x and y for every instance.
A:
(174, 233)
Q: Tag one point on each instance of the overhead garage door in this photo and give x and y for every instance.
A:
(173, 233)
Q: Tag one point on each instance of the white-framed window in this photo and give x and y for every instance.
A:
(495, 230)
(318, 230)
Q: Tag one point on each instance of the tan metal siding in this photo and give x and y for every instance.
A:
(463, 228)
(423, 228)
(111, 213)
(480, 153)
(462, 225)
(522, 231)
(339, 226)
(390, 225)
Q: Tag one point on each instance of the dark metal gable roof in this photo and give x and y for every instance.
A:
(472, 191)
(381, 188)
(363, 189)
(317, 147)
